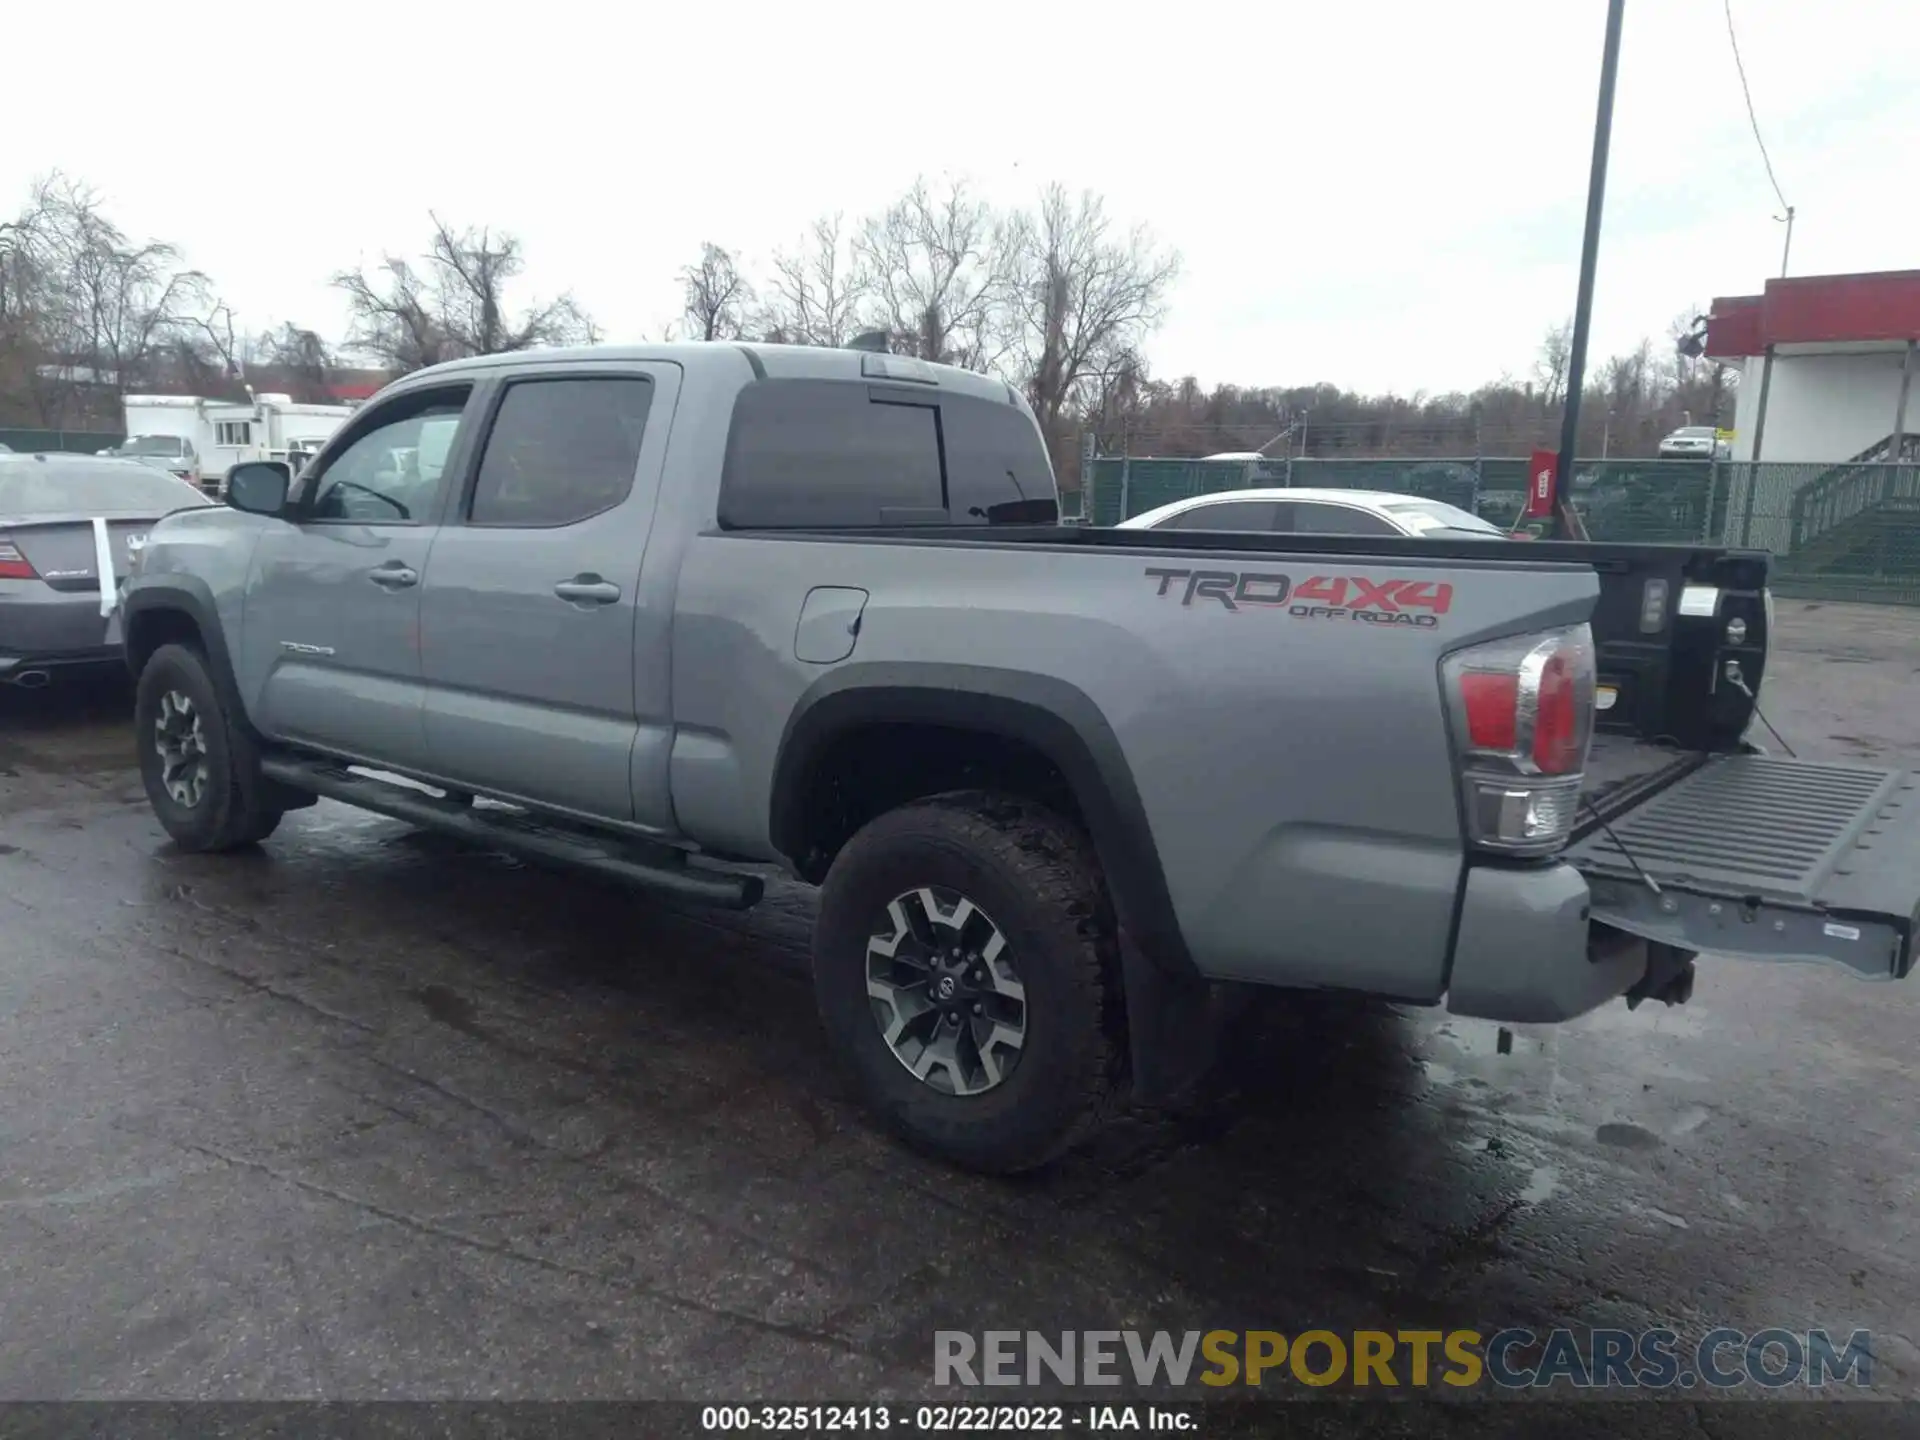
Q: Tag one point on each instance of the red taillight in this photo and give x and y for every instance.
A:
(1492, 706)
(14, 565)
(1559, 746)
(1523, 716)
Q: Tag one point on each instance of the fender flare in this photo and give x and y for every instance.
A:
(1053, 717)
(190, 596)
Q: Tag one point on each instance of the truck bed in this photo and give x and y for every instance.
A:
(1684, 838)
(1668, 668)
(1622, 772)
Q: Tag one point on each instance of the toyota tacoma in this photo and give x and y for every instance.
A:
(673, 614)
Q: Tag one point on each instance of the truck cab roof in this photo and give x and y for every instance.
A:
(786, 362)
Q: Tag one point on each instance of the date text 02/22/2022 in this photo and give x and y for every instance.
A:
(946, 1419)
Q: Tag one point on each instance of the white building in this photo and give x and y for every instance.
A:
(1828, 367)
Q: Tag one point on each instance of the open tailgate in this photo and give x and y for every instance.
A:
(1766, 858)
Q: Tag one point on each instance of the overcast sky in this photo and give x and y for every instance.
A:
(1379, 195)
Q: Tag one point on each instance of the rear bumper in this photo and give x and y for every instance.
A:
(100, 658)
(1526, 952)
(37, 622)
(1750, 857)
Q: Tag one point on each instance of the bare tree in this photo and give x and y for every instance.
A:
(302, 357)
(1079, 300)
(1116, 397)
(24, 300)
(397, 316)
(85, 310)
(937, 264)
(218, 338)
(454, 304)
(1630, 388)
(1550, 366)
(817, 289)
(194, 364)
(718, 297)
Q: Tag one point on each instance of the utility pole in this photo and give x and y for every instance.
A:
(1566, 523)
(1787, 249)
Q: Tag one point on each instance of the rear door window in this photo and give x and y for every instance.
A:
(1315, 519)
(1243, 515)
(560, 451)
(831, 453)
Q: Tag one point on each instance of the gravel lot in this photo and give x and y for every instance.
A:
(366, 1115)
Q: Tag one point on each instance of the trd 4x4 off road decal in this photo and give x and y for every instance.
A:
(1416, 603)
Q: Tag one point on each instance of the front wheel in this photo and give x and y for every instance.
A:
(199, 766)
(966, 971)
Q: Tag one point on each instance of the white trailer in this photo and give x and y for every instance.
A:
(271, 427)
(223, 433)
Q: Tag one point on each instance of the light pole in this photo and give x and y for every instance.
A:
(1566, 523)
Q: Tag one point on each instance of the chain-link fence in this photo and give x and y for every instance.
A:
(75, 442)
(1845, 532)
(1840, 532)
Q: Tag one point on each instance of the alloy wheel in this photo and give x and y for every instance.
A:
(181, 742)
(945, 993)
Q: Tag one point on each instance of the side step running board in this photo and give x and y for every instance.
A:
(651, 867)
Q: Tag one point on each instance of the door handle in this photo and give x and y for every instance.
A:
(587, 590)
(394, 576)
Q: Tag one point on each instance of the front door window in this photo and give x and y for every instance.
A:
(393, 473)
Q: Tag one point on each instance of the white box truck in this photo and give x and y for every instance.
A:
(216, 435)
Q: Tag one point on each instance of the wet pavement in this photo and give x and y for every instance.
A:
(364, 1114)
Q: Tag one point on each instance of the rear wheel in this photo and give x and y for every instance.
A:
(965, 967)
(200, 768)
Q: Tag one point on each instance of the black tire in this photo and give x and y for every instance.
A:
(234, 804)
(1035, 876)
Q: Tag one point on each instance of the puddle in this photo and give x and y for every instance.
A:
(1626, 1136)
(1690, 1120)
(1542, 1185)
(1440, 1074)
(1665, 1217)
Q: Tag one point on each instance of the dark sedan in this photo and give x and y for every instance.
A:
(60, 516)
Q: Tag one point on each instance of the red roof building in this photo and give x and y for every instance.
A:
(1829, 367)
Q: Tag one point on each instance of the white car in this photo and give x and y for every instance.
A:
(1318, 512)
(173, 453)
(1695, 442)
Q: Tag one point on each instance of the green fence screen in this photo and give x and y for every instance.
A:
(77, 442)
(1837, 532)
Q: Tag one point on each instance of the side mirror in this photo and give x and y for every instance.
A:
(259, 486)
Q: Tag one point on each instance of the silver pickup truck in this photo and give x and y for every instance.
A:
(673, 613)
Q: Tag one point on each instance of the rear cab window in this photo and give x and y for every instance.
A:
(996, 461)
(834, 454)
